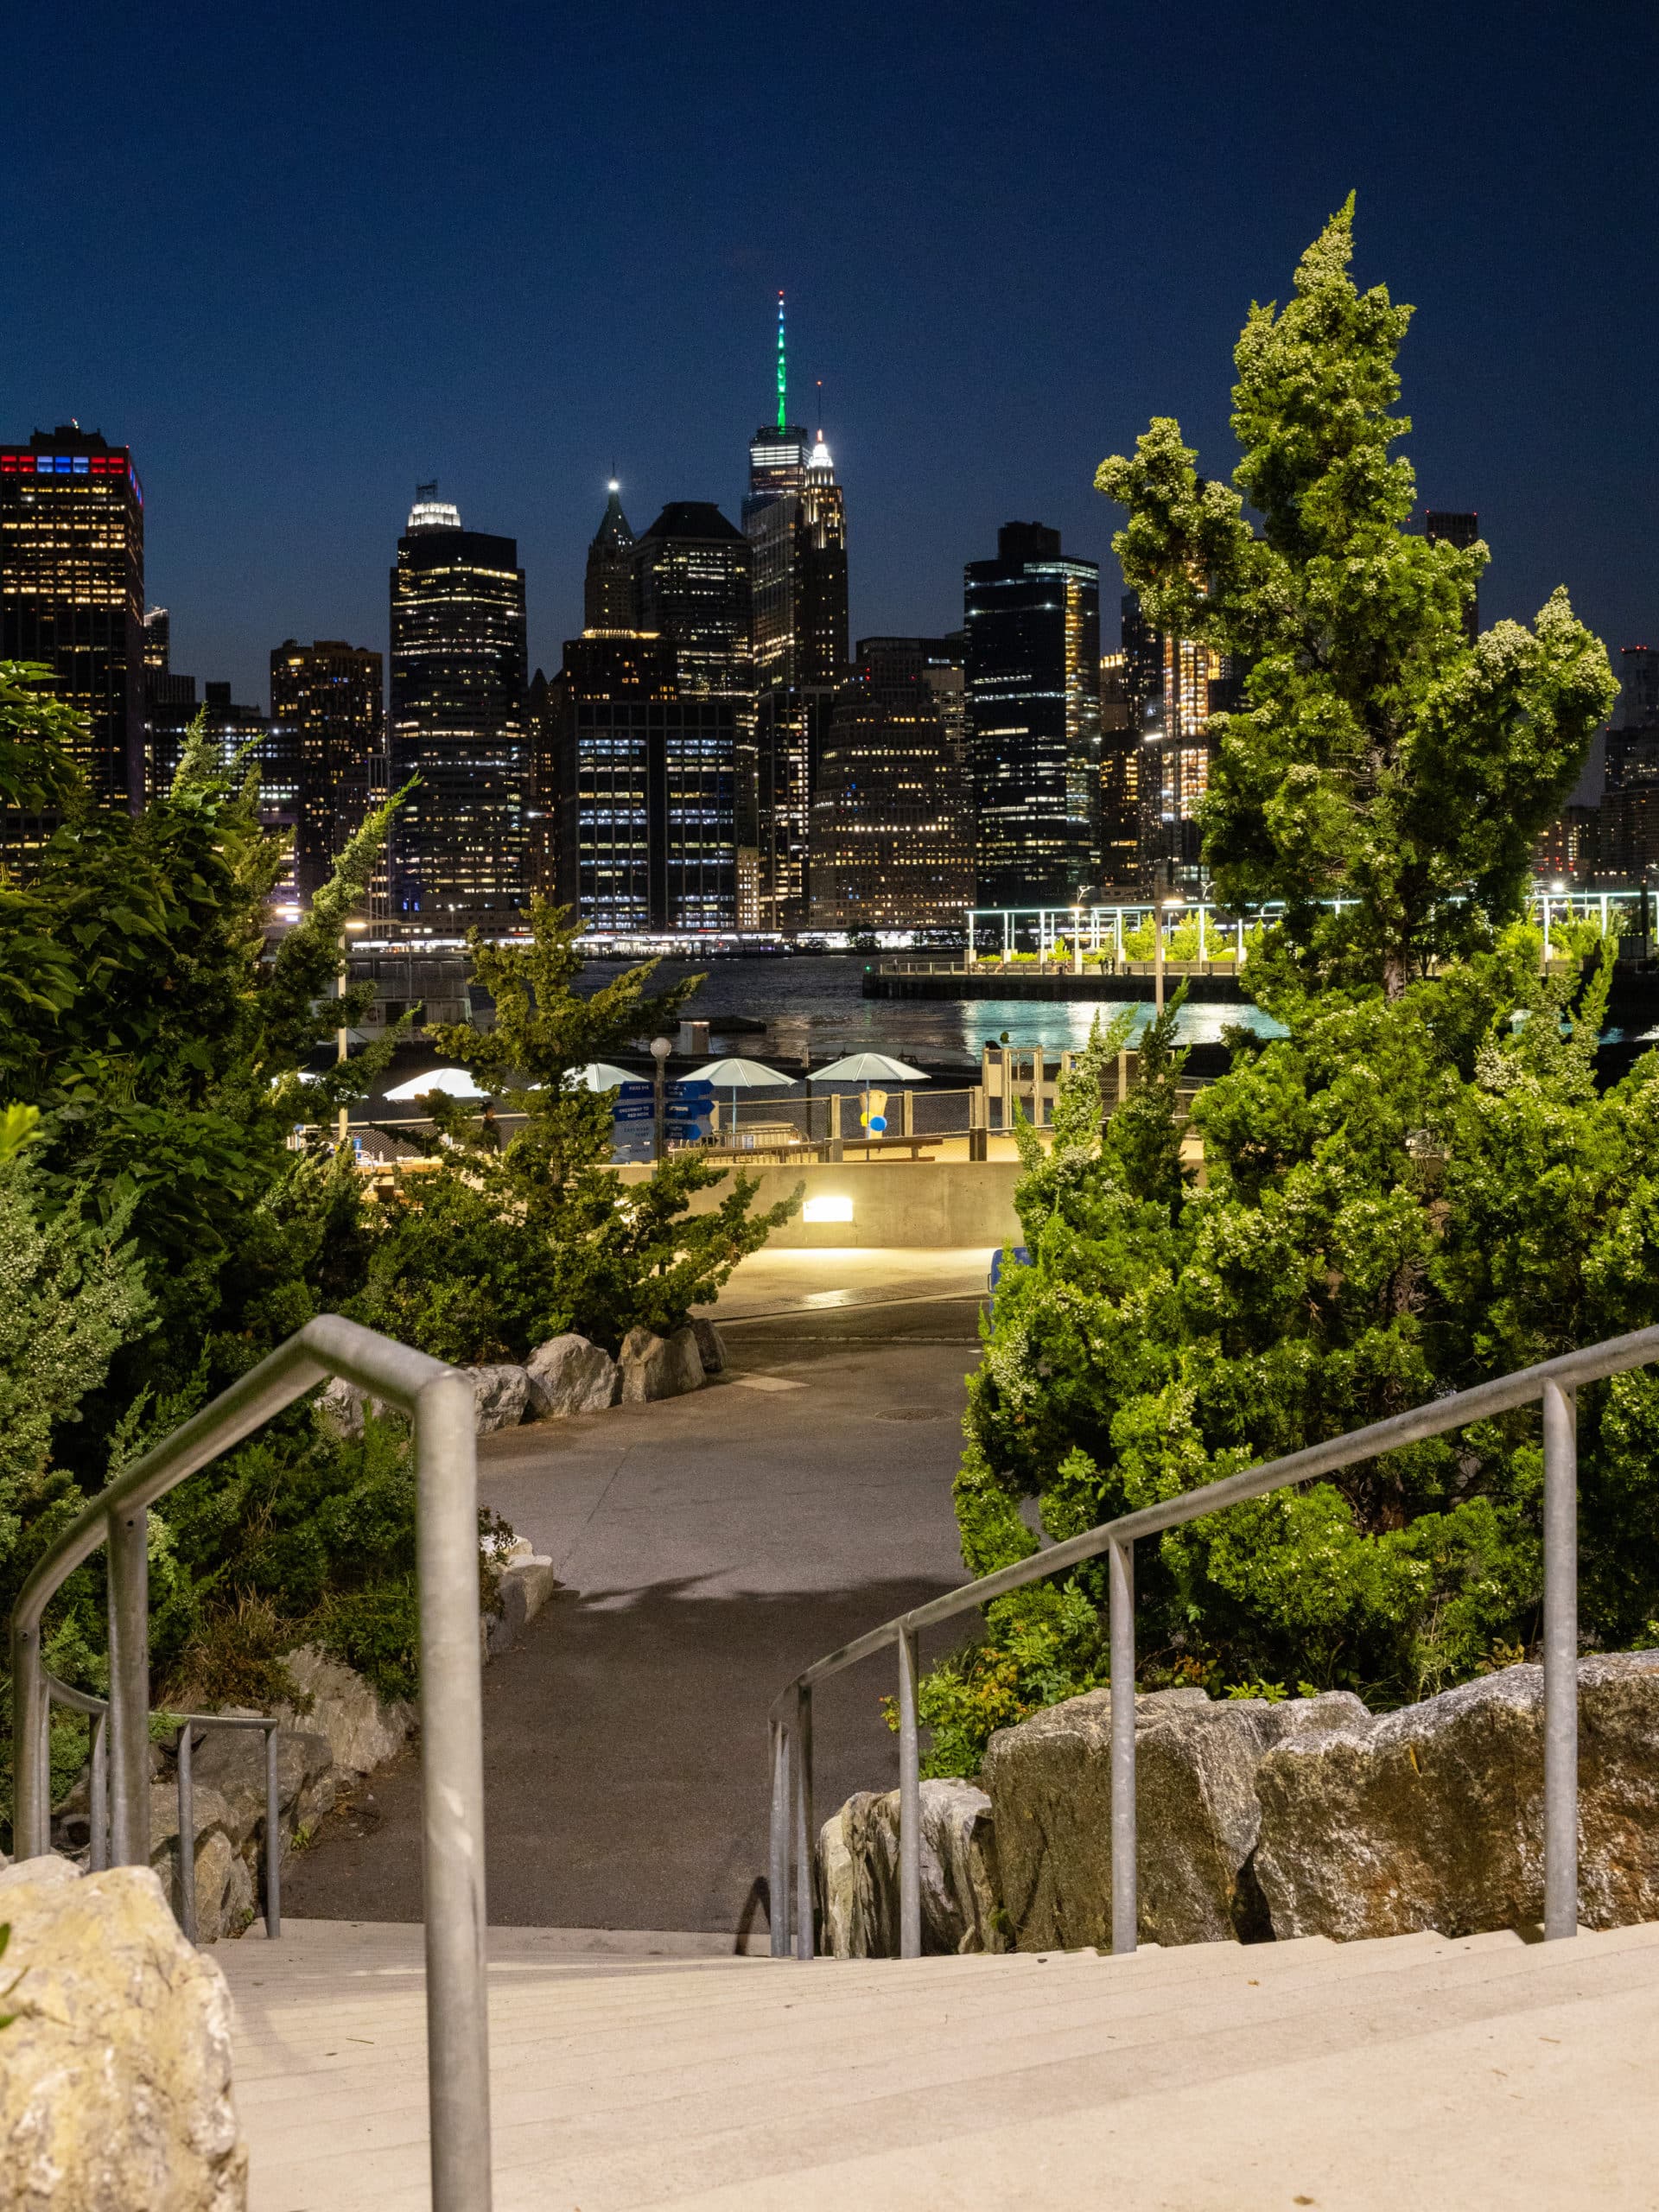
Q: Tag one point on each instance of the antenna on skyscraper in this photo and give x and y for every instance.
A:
(782, 374)
(820, 411)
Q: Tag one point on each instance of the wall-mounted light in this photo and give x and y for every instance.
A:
(827, 1208)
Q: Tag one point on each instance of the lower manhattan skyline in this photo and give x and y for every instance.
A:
(1038, 260)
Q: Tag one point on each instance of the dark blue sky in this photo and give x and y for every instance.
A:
(301, 257)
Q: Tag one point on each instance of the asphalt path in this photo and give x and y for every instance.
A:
(707, 1548)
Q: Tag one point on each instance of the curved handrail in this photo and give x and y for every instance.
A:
(438, 1401)
(789, 1715)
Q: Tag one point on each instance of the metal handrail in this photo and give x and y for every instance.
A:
(790, 1716)
(98, 1792)
(440, 1402)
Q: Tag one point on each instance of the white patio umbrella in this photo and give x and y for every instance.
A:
(866, 1068)
(736, 1074)
(456, 1082)
(598, 1075)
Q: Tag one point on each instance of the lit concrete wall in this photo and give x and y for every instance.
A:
(940, 1202)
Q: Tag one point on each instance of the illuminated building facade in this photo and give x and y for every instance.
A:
(1172, 687)
(1032, 670)
(795, 520)
(458, 723)
(893, 841)
(169, 703)
(246, 733)
(1120, 779)
(329, 694)
(71, 593)
(607, 587)
(1629, 846)
(636, 783)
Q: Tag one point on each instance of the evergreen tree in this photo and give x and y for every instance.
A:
(1417, 1185)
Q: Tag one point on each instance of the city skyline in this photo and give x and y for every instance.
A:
(517, 331)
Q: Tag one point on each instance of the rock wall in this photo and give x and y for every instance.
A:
(1301, 1817)
(115, 2074)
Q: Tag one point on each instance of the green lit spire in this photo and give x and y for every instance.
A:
(782, 377)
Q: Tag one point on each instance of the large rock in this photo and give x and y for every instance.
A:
(711, 1346)
(858, 1874)
(568, 1375)
(1049, 1780)
(1434, 1817)
(363, 1729)
(659, 1367)
(501, 1396)
(115, 2075)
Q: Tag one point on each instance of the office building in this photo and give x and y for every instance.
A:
(169, 704)
(892, 814)
(71, 595)
(328, 695)
(1568, 849)
(1120, 811)
(795, 520)
(607, 587)
(1629, 828)
(692, 586)
(1171, 687)
(1032, 670)
(1462, 530)
(245, 735)
(636, 788)
(458, 723)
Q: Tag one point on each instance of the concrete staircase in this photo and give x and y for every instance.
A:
(635, 2071)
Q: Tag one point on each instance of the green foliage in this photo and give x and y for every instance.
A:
(493, 1250)
(1416, 1187)
(1382, 758)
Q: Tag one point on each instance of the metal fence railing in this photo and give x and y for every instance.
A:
(1554, 1383)
(440, 1403)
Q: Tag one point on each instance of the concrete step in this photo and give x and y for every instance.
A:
(733, 2075)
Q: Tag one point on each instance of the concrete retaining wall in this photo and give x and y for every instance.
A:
(936, 1203)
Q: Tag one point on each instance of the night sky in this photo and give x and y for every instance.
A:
(301, 258)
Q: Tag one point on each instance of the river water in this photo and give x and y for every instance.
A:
(814, 1009)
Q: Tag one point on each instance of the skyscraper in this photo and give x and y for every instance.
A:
(169, 703)
(1461, 531)
(636, 787)
(1629, 847)
(691, 572)
(607, 588)
(458, 721)
(1120, 779)
(1172, 686)
(247, 734)
(329, 694)
(71, 591)
(892, 818)
(795, 520)
(1033, 718)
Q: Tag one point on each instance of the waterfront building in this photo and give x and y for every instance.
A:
(1630, 805)
(1441, 527)
(458, 723)
(1172, 687)
(607, 588)
(328, 694)
(636, 788)
(892, 812)
(72, 595)
(795, 520)
(1033, 668)
(1568, 849)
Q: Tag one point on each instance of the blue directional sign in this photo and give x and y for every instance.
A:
(630, 1094)
(644, 1111)
(705, 1091)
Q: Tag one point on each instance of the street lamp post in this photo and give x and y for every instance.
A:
(343, 1119)
(660, 1049)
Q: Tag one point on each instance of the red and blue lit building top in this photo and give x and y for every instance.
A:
(88, 457)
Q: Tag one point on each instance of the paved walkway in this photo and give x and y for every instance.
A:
(709, 1547)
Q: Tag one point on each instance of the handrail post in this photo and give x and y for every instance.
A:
(778, 1889)
(1120, 1603)
(452, 1793)
(909, 1803)
(804, 1929)
(128, 1601)
(100, 1799)
(43, 1766)
(1560, 1663)
(186, 1837)
(273, 1840)
(27, 1688)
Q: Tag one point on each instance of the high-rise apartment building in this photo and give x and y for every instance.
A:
(1172, 687)
(246, 734)
(891, 815)
(607, 587)
(328, 695)
(72, 592)
(636, 788)
(169, 704)
(1629, 839)
(458, 723)
(1120, 810)
(1032, 668)
(795, 520)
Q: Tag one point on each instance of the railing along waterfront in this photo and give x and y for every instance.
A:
(439, 1404)
(1555, 1383)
